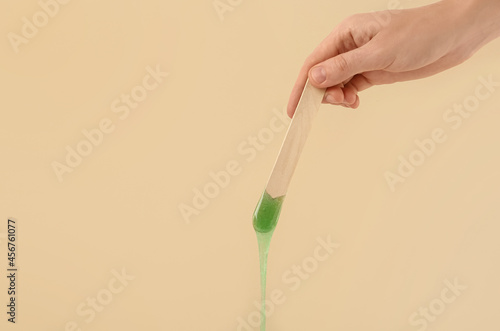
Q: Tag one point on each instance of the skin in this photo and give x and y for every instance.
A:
(396, 45)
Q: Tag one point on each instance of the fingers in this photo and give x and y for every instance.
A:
(326, 49)
(339, 68)
(360, 82)
(343, 54)
(347, 95)
(334, 95)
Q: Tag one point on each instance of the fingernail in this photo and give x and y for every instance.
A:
(330, 99)
(318, 74)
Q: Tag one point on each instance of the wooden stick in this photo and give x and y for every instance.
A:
(295, 140)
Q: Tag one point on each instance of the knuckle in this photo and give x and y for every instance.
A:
(341, 64)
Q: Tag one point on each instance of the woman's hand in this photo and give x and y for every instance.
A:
(393, 46)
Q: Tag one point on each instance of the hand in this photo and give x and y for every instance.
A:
(394, 46)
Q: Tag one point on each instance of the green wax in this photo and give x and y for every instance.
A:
(265, 219)
(264, 240)
(267, 212)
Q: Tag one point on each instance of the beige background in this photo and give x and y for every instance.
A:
(119, 208)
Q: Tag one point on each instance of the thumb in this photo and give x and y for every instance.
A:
(342, 67)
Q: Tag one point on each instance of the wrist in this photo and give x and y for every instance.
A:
(481, 18)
